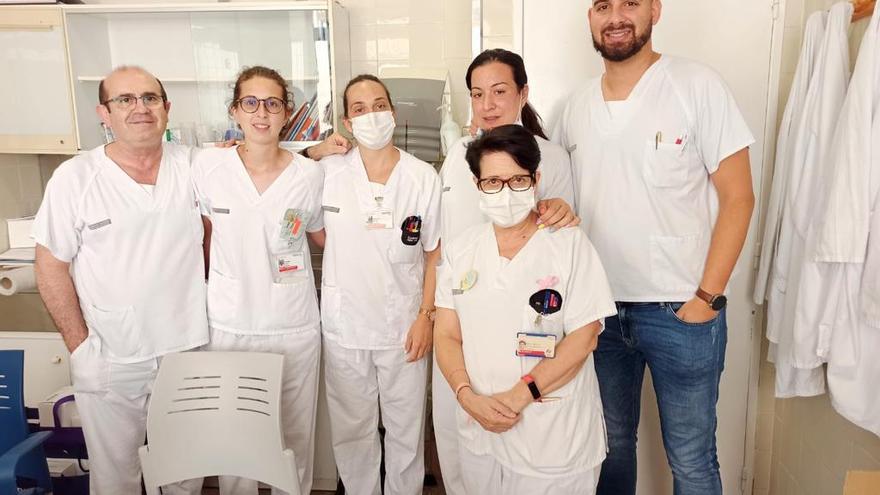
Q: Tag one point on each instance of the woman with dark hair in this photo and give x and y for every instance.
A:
(259, 203)
(499, 91)
(381, 209)
(519, 313)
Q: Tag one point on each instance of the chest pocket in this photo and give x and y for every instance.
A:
(668, 164)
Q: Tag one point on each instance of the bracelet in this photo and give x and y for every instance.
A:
(533, 387)
(460, 387)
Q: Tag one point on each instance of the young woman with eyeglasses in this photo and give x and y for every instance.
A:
(260, 204)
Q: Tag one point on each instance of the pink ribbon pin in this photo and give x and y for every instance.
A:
(548, 282)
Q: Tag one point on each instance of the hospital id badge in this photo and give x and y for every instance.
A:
(290, 266)
(380, 219)
(541, 345)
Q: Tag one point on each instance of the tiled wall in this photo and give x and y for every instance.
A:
(498, 24)
(21, 190)
(414, 34)
(803, 446)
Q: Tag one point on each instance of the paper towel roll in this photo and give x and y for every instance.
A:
(17, 280)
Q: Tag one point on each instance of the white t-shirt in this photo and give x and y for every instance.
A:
(552, 438)
(461, 198)
(136, 256)
(372, 281)
(642, 183)
(248, 291)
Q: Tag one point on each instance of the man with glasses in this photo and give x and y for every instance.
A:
(120, 268)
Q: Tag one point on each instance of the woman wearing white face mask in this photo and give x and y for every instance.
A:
(499, 91)
(519, 313)
(381, 211)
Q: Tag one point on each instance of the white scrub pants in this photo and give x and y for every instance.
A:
(299, 397)
(443, 408)
(359, 384)
(482, 474)
(112, 399)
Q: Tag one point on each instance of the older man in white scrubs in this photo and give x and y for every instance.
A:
(121, 271)
(661, 169)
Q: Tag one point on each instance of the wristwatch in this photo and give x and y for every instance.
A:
(715, 301)
(428, 312)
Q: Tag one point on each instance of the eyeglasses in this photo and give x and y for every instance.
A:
(493, 185)
(125, 102)
(250, 104)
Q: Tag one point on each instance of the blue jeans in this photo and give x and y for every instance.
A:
(686, 360)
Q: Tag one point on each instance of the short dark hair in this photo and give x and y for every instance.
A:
(102, 92)
(362, 78)
(512, 139)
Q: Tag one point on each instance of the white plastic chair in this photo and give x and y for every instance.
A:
(217, 413)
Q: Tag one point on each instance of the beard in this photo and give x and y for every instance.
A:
(625, 50)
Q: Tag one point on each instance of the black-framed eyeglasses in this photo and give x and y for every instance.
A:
(518, 183)
(125, 102)
(250, 104)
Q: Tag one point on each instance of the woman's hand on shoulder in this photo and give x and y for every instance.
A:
(556, 214)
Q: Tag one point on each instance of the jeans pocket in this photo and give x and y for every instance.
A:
(672, 309)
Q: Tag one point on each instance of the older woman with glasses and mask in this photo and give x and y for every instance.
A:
(519, 314)
(260, 203)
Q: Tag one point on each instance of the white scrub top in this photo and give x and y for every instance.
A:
(461, 198)
(372, 281)
(642, 183)
(552, 438)
(136, 257)
(246, 292)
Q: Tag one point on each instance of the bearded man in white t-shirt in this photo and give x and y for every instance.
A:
(120, 268)
(660, 163)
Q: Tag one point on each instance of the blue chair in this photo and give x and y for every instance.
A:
(21, 452)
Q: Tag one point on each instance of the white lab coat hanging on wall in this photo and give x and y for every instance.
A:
(791, 119)
(845, 244)
(821, 110)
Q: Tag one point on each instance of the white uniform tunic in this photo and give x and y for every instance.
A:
(461, 198)
(460, 211)
(136, 256)
(553, 439)
(371, 285)
(138, 270)
(245, 293)
(642, 176)
(251, 305)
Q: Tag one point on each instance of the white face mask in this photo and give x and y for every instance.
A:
(507, 208)
(518, 120)
(373, 130)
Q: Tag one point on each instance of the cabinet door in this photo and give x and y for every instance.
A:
(36, 106)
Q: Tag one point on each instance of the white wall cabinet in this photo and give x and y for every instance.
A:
(197, 51)
(53, 59)
(36, 103)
